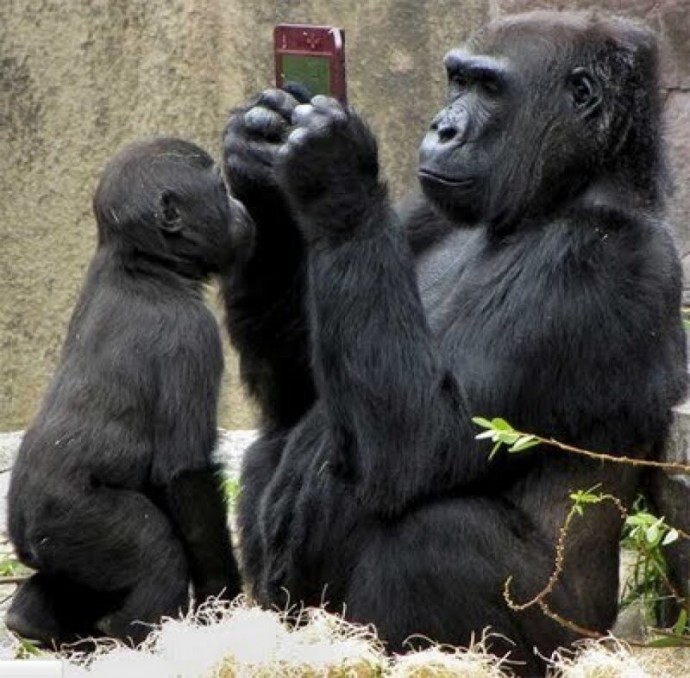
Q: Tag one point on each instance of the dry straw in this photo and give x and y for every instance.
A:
(242, 641)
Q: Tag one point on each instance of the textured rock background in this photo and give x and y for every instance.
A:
(80, 78)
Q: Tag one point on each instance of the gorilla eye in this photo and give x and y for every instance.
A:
(460, 80)
(490, 86)
(584, 90)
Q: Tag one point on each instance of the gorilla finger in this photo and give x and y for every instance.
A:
(298, 90)
(297, 136)
(327, 104)
(302, 114)
(235, 123)
(322, 110)
(280, 101)
(295, 139)
(263, 122)
(330, 107)
(260, 153)
(250, 160)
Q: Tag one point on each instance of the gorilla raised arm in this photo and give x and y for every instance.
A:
(114, 497)
(536, 283)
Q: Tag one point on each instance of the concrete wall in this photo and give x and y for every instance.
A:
(80, 78)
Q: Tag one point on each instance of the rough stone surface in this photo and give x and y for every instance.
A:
(677, 119)
(673, 492)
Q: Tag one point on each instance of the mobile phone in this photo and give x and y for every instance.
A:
(313, 56)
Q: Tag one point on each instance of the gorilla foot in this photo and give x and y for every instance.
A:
(32, 615)
(52, 611)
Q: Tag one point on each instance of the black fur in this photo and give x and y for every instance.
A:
(534, 280)
(114, 497)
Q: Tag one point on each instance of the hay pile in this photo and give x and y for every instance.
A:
(241, 641)
(238, 641)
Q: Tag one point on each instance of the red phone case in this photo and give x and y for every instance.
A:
(305, 40)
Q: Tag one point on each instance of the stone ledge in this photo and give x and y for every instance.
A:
(231, 445)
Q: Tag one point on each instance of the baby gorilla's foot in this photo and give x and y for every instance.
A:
(51, 611)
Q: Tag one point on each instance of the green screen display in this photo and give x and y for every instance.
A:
(311, 71)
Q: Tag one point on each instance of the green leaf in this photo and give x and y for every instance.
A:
(652, 534)
(485, 435)
(681, 622)
(523, 443)
(27, 649)
(585, 497)
(231, 487)
(507, 438)
(671, 536)
(484, 423)
(502, 425)
(636, 519)
(495, 449)
(8, 566)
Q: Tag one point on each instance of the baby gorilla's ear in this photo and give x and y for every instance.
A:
(168, 214)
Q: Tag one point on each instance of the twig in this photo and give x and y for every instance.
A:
(558, 563)
(583, 631)
(602, 456)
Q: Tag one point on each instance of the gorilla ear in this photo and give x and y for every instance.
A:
(169, 218)
(585, 91)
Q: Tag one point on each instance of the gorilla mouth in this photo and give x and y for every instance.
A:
(434, 177)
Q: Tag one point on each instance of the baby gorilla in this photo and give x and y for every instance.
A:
(114, 497)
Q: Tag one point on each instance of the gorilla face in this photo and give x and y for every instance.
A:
(456, 153)
(523, 130)
(165, 200)
(206, 223)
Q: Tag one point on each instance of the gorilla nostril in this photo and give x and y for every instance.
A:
(446, 132)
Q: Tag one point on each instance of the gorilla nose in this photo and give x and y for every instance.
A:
(450, 125)
(445, 131)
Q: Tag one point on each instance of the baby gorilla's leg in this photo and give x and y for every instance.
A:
(125, 564)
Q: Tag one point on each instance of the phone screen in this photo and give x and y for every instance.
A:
(314, 72)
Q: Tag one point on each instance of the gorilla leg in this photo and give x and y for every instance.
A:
(116, 543)
(445, 570)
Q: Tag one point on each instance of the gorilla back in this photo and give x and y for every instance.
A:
(114, 498)
(536, 283)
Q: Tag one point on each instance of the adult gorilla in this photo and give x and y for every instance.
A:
(534, 281)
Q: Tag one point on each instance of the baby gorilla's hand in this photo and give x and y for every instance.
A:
(329, 168)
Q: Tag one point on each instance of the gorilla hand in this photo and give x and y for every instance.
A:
(330, 169)
(251, 142)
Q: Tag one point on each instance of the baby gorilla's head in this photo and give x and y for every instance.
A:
(165, 201)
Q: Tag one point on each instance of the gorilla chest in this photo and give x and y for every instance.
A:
(467, 287)
(491, 310)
